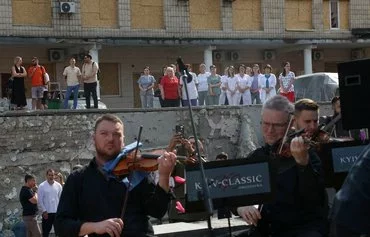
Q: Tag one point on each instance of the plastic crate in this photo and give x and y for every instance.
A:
(54, 104)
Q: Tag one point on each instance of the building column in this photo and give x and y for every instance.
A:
(94, 52)
(307, 52)
(208, 56)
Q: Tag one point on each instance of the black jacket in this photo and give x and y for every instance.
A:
(88, 196)
(300, 202)
(351, 208)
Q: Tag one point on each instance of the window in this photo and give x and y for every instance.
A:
(334, 14)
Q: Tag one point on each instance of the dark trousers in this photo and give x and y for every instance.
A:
(256, 99)
(47, 224)
(161, 101)
(171, 103)
(90, 90)
(193, 102)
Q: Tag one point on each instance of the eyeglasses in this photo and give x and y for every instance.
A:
(273, 125)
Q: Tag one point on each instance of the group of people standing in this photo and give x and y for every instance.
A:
(74, 77)
(43, 199)
(40, 83)
(246, 86)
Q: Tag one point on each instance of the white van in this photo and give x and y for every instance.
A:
(320, 86)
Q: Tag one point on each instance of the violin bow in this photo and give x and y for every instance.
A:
(128, 178)
(286, 134)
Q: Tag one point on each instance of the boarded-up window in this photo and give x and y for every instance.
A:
(147, 14)
(205, 14)
(247, 15)
(298, 14)
(30, 12)
(99, 13)
(109, 79)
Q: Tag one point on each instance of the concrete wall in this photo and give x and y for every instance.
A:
(32, 142)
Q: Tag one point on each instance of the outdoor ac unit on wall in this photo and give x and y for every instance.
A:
(269, 55)
(357, 54)
(232, 56)
(317, 55)
(56, 55)
(67, 7)
(218, 56)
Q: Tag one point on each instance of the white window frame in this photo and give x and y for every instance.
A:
(338, 14)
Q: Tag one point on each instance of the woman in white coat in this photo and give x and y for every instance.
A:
(232, 92)
(245, 82)
(267, 84)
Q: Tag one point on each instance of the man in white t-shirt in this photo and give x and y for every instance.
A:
(48, 199)
(72, 75)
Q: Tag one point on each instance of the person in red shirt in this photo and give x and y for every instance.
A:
(36, 74)
(170, 89)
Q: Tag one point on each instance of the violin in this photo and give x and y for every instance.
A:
(282, 146)
(145, 162)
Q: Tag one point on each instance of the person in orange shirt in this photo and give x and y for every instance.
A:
(36, 74)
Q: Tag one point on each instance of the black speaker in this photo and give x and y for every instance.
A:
(354, 89)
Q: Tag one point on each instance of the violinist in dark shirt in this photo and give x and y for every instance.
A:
(336, 129)
(91, 203)
(299, 206)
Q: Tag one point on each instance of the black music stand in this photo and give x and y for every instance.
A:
(337, 158)
(232, 183)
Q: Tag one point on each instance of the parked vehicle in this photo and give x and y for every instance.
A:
(320, 86)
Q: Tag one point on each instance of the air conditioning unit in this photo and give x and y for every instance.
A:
(357, 54)
(67, 7)
(269, 55)
(317, 55)
(218, 56)
(56, 55)
(232, 56)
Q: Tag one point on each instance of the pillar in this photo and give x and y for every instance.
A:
(208, 56)
(307, 53)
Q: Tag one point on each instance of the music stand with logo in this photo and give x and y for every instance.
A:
(232, 183)
(337, 158)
